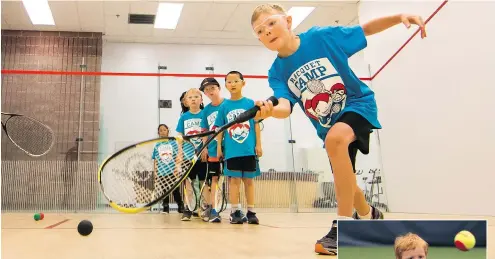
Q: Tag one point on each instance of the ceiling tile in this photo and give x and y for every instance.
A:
(191, 19)
(65, 14)
(4, 22)
(116, 25)
(44, 28)
(161, 33)
(5, 26)
(218, 16)
(220, 35)
(140, 7)
(338, 3)
(141, 30)
(321, 16)
(346, 14)
(241, 18)
(218, 22)
(15, 13)
(20, 27)
(91, 16)
(121, 8)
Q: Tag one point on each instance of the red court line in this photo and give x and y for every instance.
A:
(57, 224)
(407, 42)
(88, 73)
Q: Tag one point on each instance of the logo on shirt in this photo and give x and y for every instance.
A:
(211, 122)
(321, 90)
(192, 127)
(166, 153)
(238, 132)
(211, 119)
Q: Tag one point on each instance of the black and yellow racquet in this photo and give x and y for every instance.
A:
(124, 176)
(191, 194)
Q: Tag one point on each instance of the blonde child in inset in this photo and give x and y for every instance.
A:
(410, 246)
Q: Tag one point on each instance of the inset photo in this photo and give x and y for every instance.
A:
(412, 239)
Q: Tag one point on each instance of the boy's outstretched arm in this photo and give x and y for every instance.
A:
(281, 111)
(380, 24)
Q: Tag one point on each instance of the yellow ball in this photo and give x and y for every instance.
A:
(464, 240)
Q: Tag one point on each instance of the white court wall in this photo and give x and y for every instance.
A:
(435, 104)
(129, 105)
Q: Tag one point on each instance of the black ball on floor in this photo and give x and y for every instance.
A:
(85, 227)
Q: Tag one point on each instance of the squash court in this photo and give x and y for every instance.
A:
(104, 78)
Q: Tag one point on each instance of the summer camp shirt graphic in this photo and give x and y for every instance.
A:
(163, 153)
(238, 132)
(193, 127)
(322, 90)
(318, 77)
(166, 153)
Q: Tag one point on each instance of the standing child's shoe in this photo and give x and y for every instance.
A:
(236, 217)
(328, 244)
(244, 218)
(187, 215)
(214, 217)
(375, 214)
(251, 218)
(205, 215)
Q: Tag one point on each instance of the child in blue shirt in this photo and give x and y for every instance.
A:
(242, 147)
(211, 88)
(312, 70)
(162, 154)
(190, 123)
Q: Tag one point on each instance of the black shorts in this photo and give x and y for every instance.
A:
(199, 170)
(214, 169)
(362, 129)
(242, 164)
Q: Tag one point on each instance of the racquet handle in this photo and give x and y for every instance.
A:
(251, 113)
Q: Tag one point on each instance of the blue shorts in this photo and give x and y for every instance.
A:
(242, 167)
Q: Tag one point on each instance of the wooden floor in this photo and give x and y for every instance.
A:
(153, 236)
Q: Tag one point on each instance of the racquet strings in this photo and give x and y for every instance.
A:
(134, 179)
(30, 135)
(190, 195)
(219, 194)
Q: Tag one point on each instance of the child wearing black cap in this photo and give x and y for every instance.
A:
(211, 88)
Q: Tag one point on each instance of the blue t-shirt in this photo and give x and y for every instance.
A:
(210, 113)
(240, 139)
(164, 153)
(318, 77)
(191, 124)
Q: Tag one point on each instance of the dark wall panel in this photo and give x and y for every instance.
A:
(53, 99)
